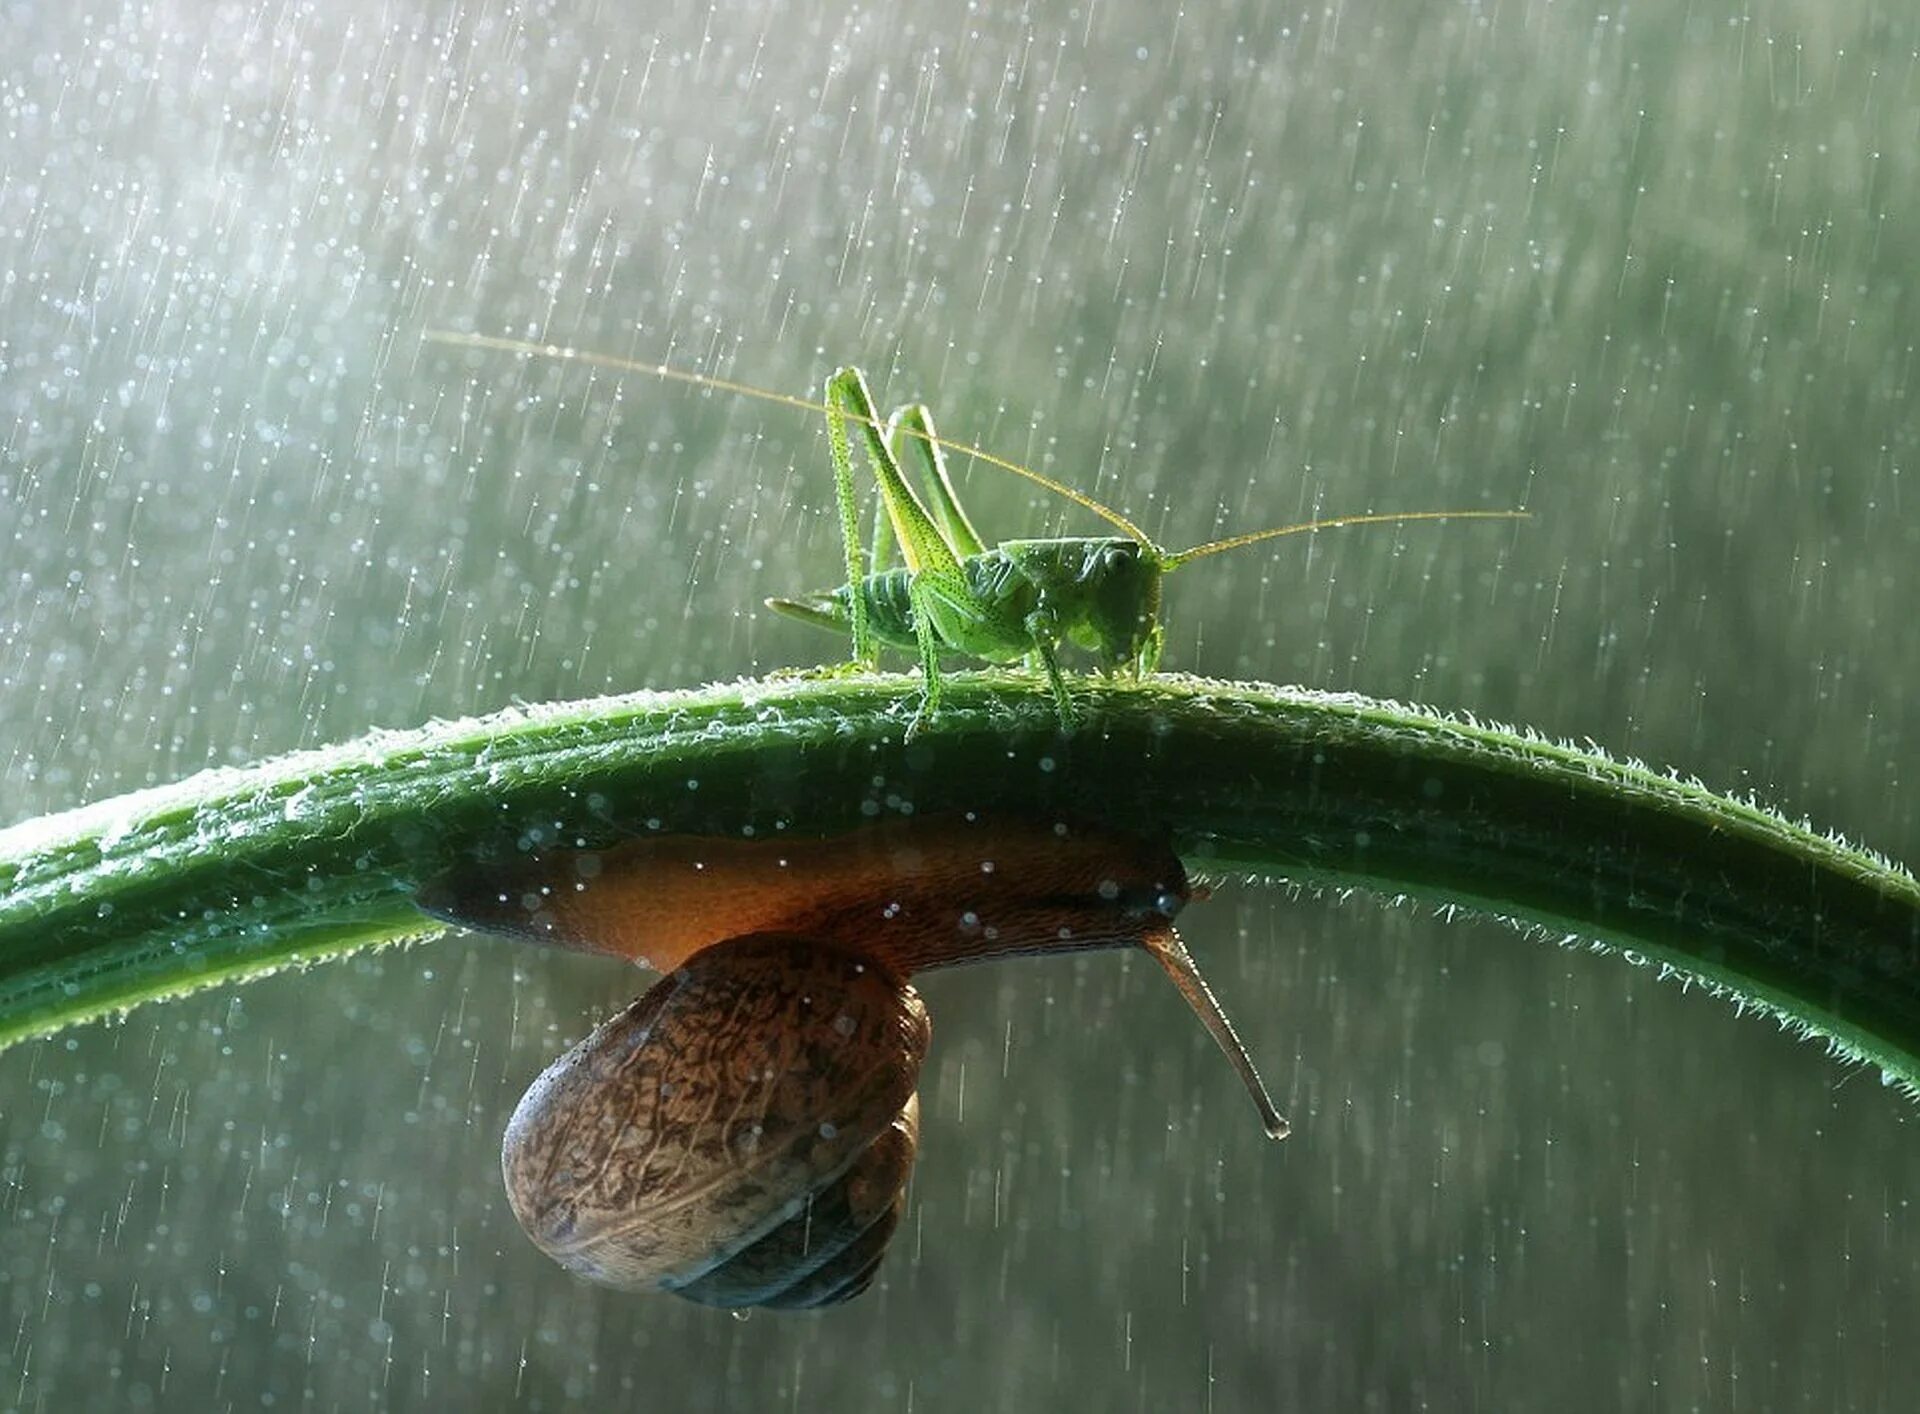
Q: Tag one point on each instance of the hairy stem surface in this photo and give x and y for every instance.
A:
(234, 873)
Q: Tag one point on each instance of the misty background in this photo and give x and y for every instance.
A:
(1648, 272)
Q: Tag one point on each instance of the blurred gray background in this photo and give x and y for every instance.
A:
(1649, 271)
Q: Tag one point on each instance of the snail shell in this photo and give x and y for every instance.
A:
(741, 1135)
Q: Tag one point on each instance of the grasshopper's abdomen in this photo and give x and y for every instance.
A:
(995, 631)
(888, 603)
(889, 606)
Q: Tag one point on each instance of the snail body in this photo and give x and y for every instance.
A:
(916, 893)
(743, 1133)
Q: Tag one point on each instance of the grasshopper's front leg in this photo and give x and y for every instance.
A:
(1046, 632)
(1149, 660)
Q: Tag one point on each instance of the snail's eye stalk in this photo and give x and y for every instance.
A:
(1167, 949)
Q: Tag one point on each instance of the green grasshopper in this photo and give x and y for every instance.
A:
(953, 595)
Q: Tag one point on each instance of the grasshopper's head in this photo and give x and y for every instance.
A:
(1120, 608)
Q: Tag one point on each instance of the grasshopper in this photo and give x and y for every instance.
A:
(952, 595)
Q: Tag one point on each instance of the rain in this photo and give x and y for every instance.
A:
(1646, 272)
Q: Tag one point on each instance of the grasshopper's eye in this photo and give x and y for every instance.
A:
(1167, 905)
(1114, 558)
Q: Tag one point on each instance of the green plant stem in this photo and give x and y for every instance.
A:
(235, 873)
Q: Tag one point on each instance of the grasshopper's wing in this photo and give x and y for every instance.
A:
(910, 434)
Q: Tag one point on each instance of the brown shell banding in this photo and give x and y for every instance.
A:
(830, 1250)
(916, 893)
(692, 1124)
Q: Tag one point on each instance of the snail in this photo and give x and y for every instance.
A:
(743, 1133)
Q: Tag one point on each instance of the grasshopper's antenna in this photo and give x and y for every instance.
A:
(566, 354)
(1215, 547)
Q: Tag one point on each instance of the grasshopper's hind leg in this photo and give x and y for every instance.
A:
(929, 660)
(938, 585)
(840, 447)
(910, 434)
